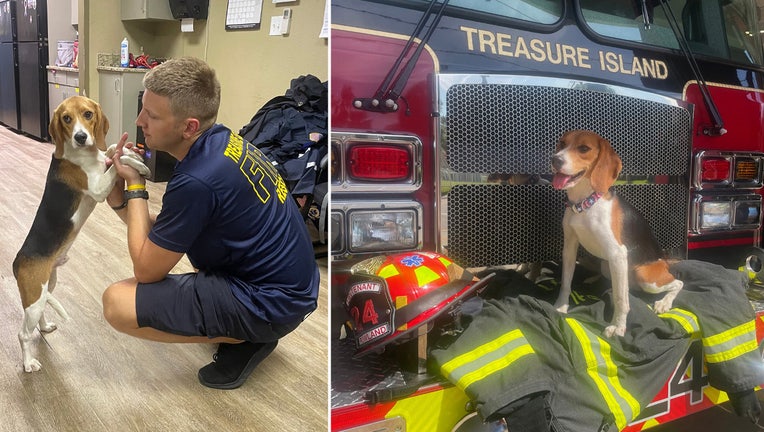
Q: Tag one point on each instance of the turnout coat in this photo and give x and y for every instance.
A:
(518, 352)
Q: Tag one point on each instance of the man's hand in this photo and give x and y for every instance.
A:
(130, 174)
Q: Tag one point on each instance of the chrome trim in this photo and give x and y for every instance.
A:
(345, 208)
(730, 182)
(343, 139)
(445, 81)
(735, 201)
(337, 239)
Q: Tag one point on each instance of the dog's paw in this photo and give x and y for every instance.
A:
(61, 260)
(130, 151)
(561, 305)
(614, 330)
(111, 150)
(663, 305)
(134, 161)
(47, 327)
(32, 365)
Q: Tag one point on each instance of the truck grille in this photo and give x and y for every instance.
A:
(498, 224)
(496, 127)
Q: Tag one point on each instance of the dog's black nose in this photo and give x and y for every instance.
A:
(557, 162)
(80, 137)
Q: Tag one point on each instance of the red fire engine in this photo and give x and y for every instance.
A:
(444, 117)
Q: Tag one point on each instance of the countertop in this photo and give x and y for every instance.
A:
(108, 62)
(62, 68)
(122, 69)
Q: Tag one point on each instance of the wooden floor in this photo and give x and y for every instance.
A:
(95, 379)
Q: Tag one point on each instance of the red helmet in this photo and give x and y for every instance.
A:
(389, 297)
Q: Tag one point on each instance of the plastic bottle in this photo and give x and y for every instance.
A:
(124, 54)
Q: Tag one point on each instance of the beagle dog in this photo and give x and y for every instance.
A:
(608, 227)
(77, 179)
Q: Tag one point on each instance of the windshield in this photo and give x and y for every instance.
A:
(726, 29)
(536, 11)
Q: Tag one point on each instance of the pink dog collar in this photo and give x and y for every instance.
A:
(585, 204)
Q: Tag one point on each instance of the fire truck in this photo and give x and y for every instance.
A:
(444, 116)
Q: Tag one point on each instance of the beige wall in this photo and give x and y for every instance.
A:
(252, 66)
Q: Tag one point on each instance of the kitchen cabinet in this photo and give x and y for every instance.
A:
(146, 10)
(62, 83)
(118, 90)
(75, 12)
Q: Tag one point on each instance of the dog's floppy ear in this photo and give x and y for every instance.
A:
(606, 168)
(55, 129)
(101, 127)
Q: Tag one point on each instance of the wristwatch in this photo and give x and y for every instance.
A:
(136, 194)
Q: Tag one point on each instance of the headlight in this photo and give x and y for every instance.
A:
(730, 213)
(379, 230)
(747, 214)
(373, 227)
(715, 215)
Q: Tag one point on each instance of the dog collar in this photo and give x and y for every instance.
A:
(585, 204)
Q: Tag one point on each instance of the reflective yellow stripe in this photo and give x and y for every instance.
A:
(480, 351)
(604, 373)
(494, 366)
(686, 319)
(487, 359)
(730, 334)
(731, 343)
(732, 353)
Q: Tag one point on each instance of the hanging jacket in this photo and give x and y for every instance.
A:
(282, 130)
(519, 349)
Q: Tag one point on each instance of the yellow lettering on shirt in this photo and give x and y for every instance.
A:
(257, 169)
(234, 148)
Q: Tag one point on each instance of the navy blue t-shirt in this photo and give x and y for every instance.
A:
(229, 211)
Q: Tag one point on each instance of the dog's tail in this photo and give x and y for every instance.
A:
(57, 307)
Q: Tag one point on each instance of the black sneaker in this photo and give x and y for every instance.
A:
(233, 363)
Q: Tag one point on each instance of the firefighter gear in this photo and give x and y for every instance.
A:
(390, 297)
(520, 347)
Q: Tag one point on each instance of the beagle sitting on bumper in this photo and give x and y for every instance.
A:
(608, 227)
(77, 179)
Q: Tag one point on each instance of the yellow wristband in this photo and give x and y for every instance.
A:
(136, 187)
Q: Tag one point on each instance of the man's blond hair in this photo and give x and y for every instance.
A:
(190, 85)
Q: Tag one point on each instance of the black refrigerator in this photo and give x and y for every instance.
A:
(9, 100)
(32, 48)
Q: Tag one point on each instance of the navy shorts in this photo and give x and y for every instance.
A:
(201, 304)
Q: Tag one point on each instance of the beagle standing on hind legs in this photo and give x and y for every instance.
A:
(608, 227)
(77, 179)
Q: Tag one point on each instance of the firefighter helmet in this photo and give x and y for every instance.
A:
(388, 297)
